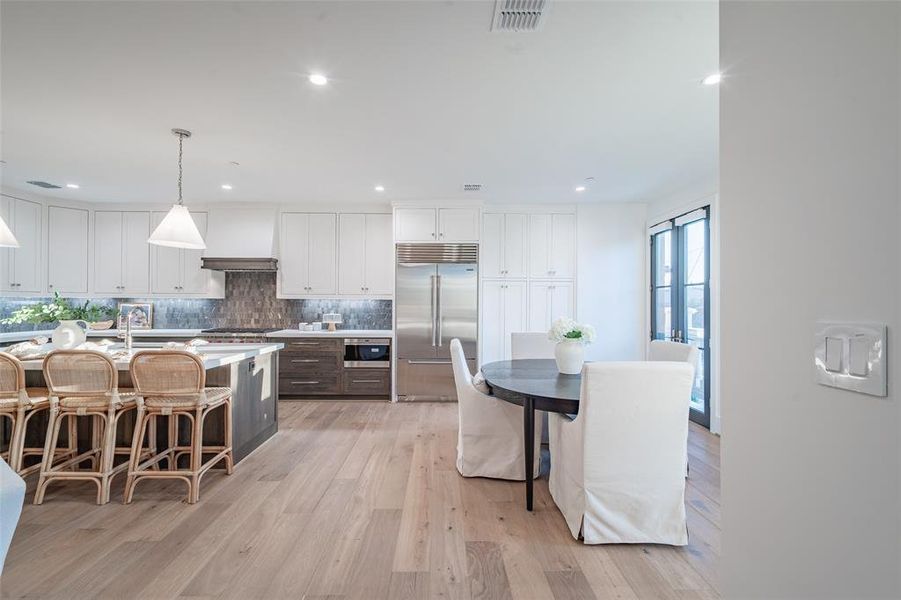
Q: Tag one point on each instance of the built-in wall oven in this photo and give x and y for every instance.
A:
(372, 353)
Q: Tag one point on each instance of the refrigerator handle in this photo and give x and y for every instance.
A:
(438, 316)
(433, 304)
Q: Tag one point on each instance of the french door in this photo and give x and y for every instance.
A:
(680, 295)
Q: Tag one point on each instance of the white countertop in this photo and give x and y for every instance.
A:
(19, 336)
(341, 333)
(213, 355)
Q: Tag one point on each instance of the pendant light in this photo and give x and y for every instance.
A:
(177, 229)
(7, 239)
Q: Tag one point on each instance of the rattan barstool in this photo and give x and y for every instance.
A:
(19, 404)
(84, 383)
(172, 383)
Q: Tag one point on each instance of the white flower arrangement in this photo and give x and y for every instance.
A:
(567, 330)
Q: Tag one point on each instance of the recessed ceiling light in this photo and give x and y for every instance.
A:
(72, 186)
(580, 188)
(226, 186)
(318, 79)
(713, 79)
(380, 188)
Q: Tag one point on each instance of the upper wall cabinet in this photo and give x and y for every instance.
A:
(67, 250)
(121, 253)
(365, 255)
(552, 246)
(176, 271)
(308, 254)
(436, 224)
(504, 247)
(19, 267)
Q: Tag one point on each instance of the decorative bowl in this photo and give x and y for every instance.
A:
(101, 325)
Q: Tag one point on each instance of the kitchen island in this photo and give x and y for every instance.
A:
(250, 370)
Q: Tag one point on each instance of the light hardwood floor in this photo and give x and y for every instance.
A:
(350, 500)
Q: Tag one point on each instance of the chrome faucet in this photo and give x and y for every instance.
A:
(128, 338)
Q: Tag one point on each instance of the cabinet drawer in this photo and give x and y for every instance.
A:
(308, 385)
(375, 382)
(295, 346)
(329, 364)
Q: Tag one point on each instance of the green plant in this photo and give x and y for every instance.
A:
(59, 309)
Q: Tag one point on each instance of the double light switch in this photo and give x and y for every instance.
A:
(851, 356)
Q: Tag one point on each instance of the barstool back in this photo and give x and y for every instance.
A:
(12, 378)
(162, 373)
(80, 373)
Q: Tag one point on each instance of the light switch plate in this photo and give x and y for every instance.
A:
(851, 356)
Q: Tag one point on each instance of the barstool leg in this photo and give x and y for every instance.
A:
(196, 456)
(73, 439)
(96, 439)
(173, 440)
(53, 426)
(17, 439)
(134, 458)
(107, 455)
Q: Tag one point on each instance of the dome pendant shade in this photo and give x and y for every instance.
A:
(177, 230)
(7, 239)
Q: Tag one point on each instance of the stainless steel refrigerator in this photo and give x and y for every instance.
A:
(436, 299)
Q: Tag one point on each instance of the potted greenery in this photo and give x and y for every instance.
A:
(59, 309)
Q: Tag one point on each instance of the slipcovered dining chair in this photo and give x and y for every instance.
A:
(172, 383)
(490, 434)
(12, 496)
(83, 383)
(19, 404)
(617, 473)
(662, 350)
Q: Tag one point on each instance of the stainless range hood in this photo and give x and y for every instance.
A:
(240, 240)
(239, 264)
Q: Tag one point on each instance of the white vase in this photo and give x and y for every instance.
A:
(69, 334)
(570, 357)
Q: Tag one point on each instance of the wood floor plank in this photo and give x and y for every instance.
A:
(352, 500)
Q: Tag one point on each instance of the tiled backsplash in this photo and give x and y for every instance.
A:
(249, 302)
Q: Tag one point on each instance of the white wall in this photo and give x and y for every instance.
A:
(809, 223)
(612, 294)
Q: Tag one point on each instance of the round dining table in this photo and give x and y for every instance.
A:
(534, 384)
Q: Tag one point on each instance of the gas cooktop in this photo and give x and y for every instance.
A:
(241, 330)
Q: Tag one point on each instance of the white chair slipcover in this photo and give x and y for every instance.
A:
(672, 351)
(490, 434)
(12, 495)
(617, 471)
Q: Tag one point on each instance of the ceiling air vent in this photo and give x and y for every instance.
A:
(519, 15)
(472, 187)
(44, 184)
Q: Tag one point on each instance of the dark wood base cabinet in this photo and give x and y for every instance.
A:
(314, 368)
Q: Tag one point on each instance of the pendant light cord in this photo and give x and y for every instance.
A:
(180, 140)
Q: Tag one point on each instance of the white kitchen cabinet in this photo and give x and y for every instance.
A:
(365, 255)
(20, 267)
(503, 312)
(552, 246)
(447, 225)
(176, 271)
(67, 250)
(549, 300)
(416, 224)
(504, 245)
(121, 253)
(308, 254)
(458, 224)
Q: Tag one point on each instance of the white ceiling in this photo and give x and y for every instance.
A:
(423, 98)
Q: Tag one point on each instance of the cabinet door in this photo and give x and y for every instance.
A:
(67, 256)
(561, 297)
(562, 261)
(516, 245)
(458, 224)
(166, 264)
(415, 225)
(323, 254)
(352, 260)
(135, 253)
(492, 321)
(379, 255)
(539, 245)
(540, 306)
(25, 265)
(195, 280)
(491, 250)
(6, 254)
(514, 309)
(108, 252)
(294, 261)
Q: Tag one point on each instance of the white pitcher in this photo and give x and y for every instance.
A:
(69, 334)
